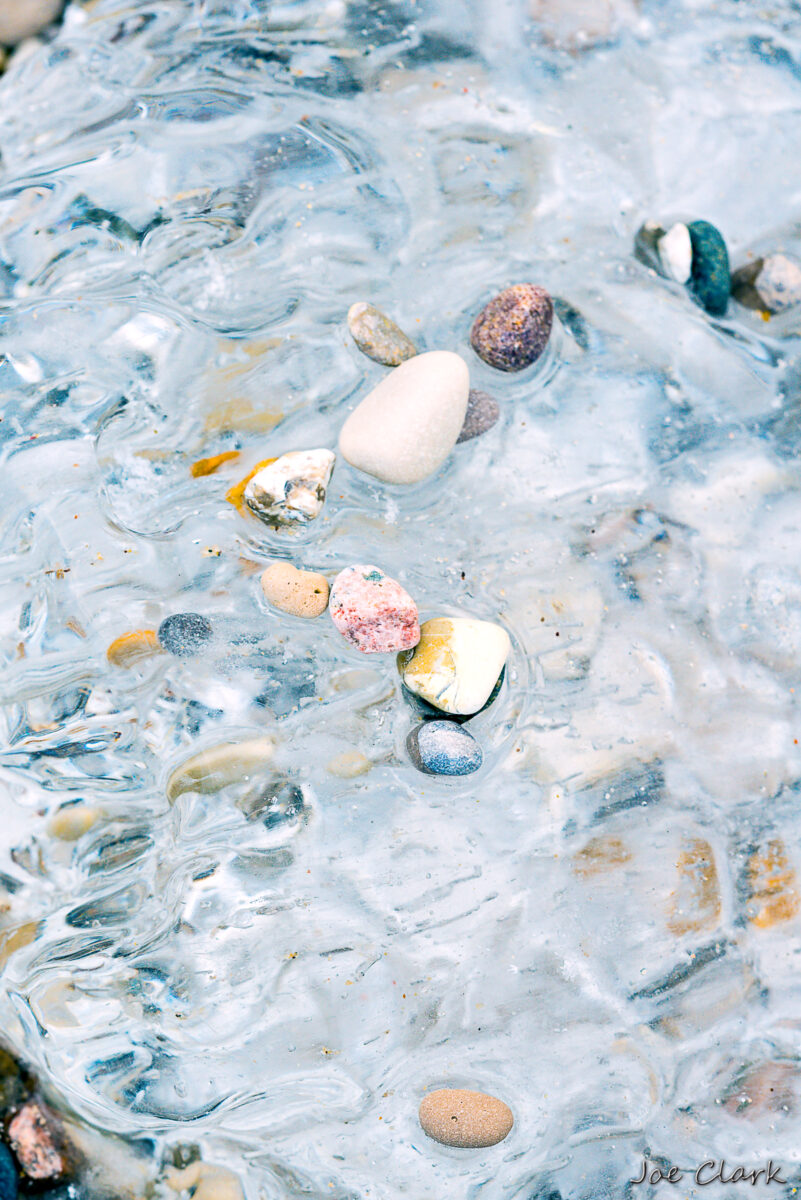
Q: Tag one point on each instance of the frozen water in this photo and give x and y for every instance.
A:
(603, 925)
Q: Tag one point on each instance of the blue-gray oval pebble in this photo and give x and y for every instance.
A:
(444, 748)
(9, 1184)
(184, 634)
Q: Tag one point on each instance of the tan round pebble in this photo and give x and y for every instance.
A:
(456, 1117)
(300, 593)
(349, 764)
(131, 648)
(73, 821)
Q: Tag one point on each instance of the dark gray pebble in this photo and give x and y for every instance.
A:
(482, 413)
(512, 331)
(444, 748)
(9, 1185)
(710, 280)
(184, 634)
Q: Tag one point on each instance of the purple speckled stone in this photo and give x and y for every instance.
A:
(482, 413)
(512, 331)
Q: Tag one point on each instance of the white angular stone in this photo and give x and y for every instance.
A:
(23, 18)
(218, 766)
(292, 489)
(456, 663)
(407, 426)
(779, 283)
(676, 253)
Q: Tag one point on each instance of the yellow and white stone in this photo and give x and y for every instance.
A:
(218, 766)
(456, 663)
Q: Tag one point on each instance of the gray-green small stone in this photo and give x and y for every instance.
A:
(444, 748)
(711, 279)
(482, 413)
(378, 337)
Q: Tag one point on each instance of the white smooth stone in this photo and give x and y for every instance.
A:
(23, 18)
(779, 282)
(216, 767)
(407, 426)
(676, 253)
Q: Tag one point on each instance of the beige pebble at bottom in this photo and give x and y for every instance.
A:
(299, 593)
(208, 1181)
(456, 1117)
(349, 764)
(73, 821)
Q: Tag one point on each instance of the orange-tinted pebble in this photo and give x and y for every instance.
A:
(131, 648)
(236, 494)
(207, 466)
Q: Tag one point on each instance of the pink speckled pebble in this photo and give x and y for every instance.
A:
(372, 611)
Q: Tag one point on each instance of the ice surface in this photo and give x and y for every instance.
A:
(603, 925)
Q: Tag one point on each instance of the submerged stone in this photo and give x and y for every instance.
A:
(676, 253)
(407, 426)
(378, 337)
(512, 330)
(218, 766)
(37, 1139)
(456, 664)
(292, 489)
(20, 19)
(373, 612)
(299, 593)
(444, 748)
(9, 1185)
(482, 413)
(771, 284)
(184, 634)
(710, 280)
(469, 1120)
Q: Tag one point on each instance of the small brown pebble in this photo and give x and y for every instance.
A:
(36, 1138)
(482, 413)
(300, 593)
(456, 1117)
(130, 648)
(511, 332)
(378, 337)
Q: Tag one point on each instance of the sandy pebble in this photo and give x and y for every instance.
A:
(20, 19)
(292, 489)
(131, 648)
(676, 253)
(482, 413)
(349, 764)
(300, 593)
(372, 611)
(512, 330)
(406, 427)
(378, 337)
(218, 766)
(470, 1120)
(581, 24)
(206, 1182)
(73, 821)
(444, 748)
(456, 664)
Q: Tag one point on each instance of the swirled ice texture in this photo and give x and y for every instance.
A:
(602, 926)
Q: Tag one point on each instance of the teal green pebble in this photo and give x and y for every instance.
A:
(710, 279)
(9, 1186)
